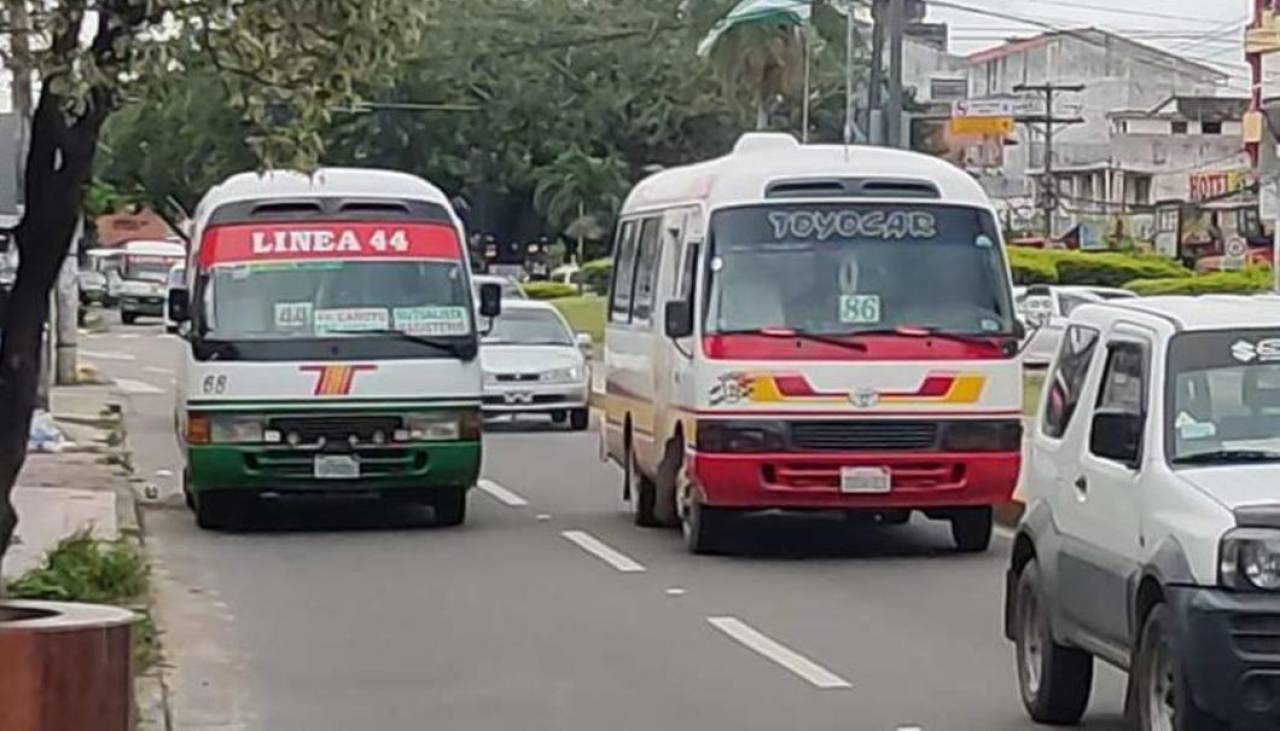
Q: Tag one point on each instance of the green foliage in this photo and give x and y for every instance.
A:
(548, 290)
(1031, 266)
(1115, 269)
(595, 274)
(577, 189)
(83, 569)
(1248, 281)
(1101, 269)
(585, 314)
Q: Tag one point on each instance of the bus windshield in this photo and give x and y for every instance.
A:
(842, 268)
(335, 298)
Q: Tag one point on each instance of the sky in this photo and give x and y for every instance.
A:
(1209, 31)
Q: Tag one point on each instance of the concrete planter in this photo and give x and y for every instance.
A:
(66, 667)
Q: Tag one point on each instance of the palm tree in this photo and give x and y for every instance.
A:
(765, 61)
(577, 192)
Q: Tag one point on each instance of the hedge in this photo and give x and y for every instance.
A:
(595, 274)
(549, 290)
(1248, 281)
(1100, 269)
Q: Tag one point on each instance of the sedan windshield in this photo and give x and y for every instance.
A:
(840, 268)
(315, 299)
(1224, 397)
(528, 327)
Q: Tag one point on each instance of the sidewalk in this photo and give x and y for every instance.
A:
(88, 485)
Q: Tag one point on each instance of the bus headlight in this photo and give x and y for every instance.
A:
(981, 436)
(1249, 558)
(724, 435)
(440, 426)
(235, 429)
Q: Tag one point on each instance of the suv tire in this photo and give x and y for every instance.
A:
(1157, 675)
(1054, 680)
(971, 529)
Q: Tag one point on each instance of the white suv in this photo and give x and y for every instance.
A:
(1151, 537)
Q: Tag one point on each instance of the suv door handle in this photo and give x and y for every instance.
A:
(1082, 484)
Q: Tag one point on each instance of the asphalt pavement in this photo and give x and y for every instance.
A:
(549, 610)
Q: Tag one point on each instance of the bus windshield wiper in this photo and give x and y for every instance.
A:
(442, 345)
(787, 332)
(1228, 456)
(932, 331)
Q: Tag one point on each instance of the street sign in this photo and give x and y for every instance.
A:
(1269, 201)
(1002, 107)
(1219, 184)
(980, 126)
(1236, 252)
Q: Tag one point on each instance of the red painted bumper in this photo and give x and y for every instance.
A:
(919, 479)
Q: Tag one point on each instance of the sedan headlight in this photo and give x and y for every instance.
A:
(572, 374)
(235, 429)
(1250, 559)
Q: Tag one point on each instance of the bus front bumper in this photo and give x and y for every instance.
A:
(919, 480)
(399, 468)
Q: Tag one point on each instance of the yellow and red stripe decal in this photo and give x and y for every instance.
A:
(937, 388)
(335, 380)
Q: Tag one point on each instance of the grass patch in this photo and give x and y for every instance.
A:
(1032, 386)
(83, 569)
(585, 314)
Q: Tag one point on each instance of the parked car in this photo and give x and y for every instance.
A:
(1045, 309)
(176, 279)
(93, 287)
(510, 288)
(534, 364)
(1151, 535)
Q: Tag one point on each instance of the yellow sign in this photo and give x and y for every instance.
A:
(981, 126)
(1252, 127)
(1265, 37)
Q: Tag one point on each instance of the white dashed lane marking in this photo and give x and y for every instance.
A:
(103, 355)
(777, 652)
(603, 551)
(502, 494)
(160, 371)
(137, 388)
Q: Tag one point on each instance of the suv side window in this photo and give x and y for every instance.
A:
(1066, 382)
(1124, 380)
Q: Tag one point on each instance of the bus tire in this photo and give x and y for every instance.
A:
(704, 527)
(450, 508)
(971, 529)
(579, 419)
(128, 318)
(644, 493)
(187, 496)
(218, 510)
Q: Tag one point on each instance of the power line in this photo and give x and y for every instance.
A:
(1122, 11)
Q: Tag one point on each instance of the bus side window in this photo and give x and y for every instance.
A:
(624, 263)
(648, 257)
(689, 275)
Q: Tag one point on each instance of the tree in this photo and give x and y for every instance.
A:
(285, 65)
(576, 192)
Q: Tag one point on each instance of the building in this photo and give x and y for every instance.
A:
(1152, 87)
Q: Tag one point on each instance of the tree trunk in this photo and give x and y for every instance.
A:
(762, 110)
(59, 165)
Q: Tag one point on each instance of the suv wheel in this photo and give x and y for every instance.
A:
(1055, 681)
(971, 529)
(1163, 699)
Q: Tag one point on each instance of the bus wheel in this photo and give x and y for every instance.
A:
(971, 529)
(218, 510)
(644, 493)
(451, 508)
(703, 526)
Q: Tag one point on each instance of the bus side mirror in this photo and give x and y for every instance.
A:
(179, 305)
(678, 319)
(490, 300)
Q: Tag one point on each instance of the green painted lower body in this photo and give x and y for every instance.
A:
(413, 471)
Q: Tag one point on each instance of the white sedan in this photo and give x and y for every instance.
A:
(1045, 309)
(534, 364)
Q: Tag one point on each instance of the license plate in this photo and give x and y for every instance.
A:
(336, 467)
(865, 479)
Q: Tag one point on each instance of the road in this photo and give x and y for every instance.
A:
(550, 610)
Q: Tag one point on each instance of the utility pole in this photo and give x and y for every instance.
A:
(897, 30)
(875, 118)
(1048, 185)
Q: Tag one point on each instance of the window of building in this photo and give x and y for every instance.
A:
(1179, 128)
(1211, 128)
